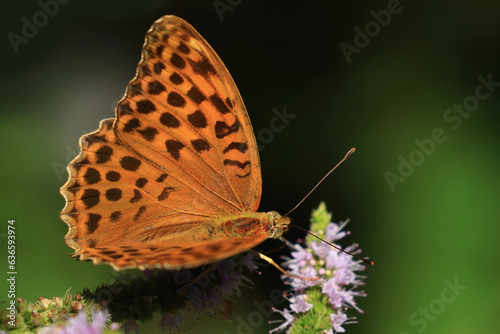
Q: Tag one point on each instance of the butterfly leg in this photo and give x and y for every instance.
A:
(271, 261)
(274, 250)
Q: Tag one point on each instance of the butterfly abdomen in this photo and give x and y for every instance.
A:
(248, 224)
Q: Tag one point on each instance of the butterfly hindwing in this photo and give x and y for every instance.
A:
(172, 256)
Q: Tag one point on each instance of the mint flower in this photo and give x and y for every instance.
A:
(299, 304)
(289, 318)
(337, 320)
(322, 305)
(79, 325)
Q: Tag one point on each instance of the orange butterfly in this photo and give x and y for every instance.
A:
(174, 180)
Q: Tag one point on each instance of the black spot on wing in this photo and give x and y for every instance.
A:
(169, 120)
(159, 50)
(137, 196)
(236, 163)
(124, 109)
(130, 250)
(130, 163)
(197, 119)
(174, 147)
(131, 125)
(90, 197)
(103, 154)
(145, 106)
(161, 178)
(214, 247)
(195, 95)
(177, 61)
(144, 71)
(203, 67)
(222, 129)
(165, 193)
(135, 89)
(116, 256)
(92, 223)
(183, 48)
(219, 104)
(82, 163)
(176, 79)
(158, 67)
(113, 194)
(92, 176)
(148, 133)
(242, 147)
(98, 138)
(244, 175)
(139, 213)
(115, 216)
(113, 176)
(156, 87)
(200, 145)
(141, 182)
(74, 187)
(176, 100)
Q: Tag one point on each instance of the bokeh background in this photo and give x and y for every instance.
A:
(441, 223)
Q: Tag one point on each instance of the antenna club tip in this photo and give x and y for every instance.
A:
(370, 262)
(351, 151)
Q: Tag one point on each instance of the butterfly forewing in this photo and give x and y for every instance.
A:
(179, 155)
(184, 110)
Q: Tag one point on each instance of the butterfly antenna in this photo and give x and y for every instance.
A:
(370, 262)
(351, 151)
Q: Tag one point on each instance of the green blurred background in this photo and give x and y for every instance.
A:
(441, 223)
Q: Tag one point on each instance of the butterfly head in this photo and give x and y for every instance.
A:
(277, 224)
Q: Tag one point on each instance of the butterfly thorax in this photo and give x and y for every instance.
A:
(253, 223)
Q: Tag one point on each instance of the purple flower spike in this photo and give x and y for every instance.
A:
(299, 304)
(334, 232)
(337, 320)
(321, 249)
(79, 325)
(339, 280)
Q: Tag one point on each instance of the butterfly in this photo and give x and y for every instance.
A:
(174, 180)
